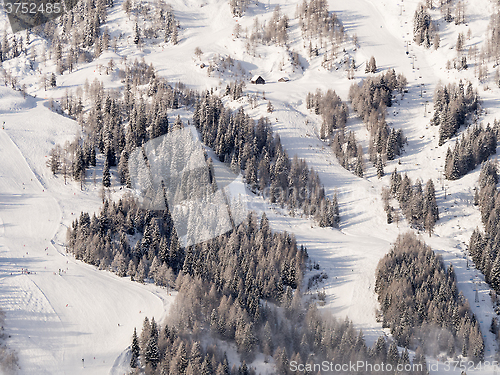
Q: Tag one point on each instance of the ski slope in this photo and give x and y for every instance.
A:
(62, 311)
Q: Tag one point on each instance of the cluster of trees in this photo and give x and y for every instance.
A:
(220, 64)
(12, 48)
(348, 152)
(248, 263)
(331, 108)
(290, 332)
(116, 124)
(446, 7)
(273, 32)
(452, 104)
(73, 159)
(370, 100)
(423, 28)
(317, 22)
(472, 149)
(253, 149)
(324, 29)
(421, 305)
(483, 247)
(85, 41)
(371, 65)
(163, 23)
(162, 350)
(238, 7)
(241, 287)
(417, 204)
(234, 89)
(89, 37)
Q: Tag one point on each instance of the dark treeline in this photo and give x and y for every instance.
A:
(370, 100)
(331, 109)
(116, 124)
(241, 287)
(483, 247)
(418, 205)
(472, 149)
(421, 304)
(452, 104)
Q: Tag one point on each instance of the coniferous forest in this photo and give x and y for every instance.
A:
(242, 287)
(421, 305)
(239, 305)
(483, 245)
(254, 291)
(115, 126)
(417, 204)
(473, 148)
(453, 105)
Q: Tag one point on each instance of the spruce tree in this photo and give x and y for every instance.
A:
(495, 273)
(380, 167)
(106, 175)
(151, 354)
(135, 349)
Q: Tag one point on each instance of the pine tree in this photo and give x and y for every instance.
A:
(393, 354)
(430, 204)
(78, 163)
(495, 273)
(270, 107)
(174, 35)
(359, 170)
(152, 354)
(53, 81)
(380, 167)
(55, 160)
(92, 161)
(372, 65)
(137, 35)
(106, 175)
(135, 350)
(429, 222)
(391, 147)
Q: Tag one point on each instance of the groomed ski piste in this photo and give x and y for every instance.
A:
(67, 317)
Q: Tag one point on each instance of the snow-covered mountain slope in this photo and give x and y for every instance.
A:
(58, 311)
(56, 320)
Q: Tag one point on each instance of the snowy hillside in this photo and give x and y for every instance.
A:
(64, 316)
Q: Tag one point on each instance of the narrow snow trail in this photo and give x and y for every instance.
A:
(62, 311)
